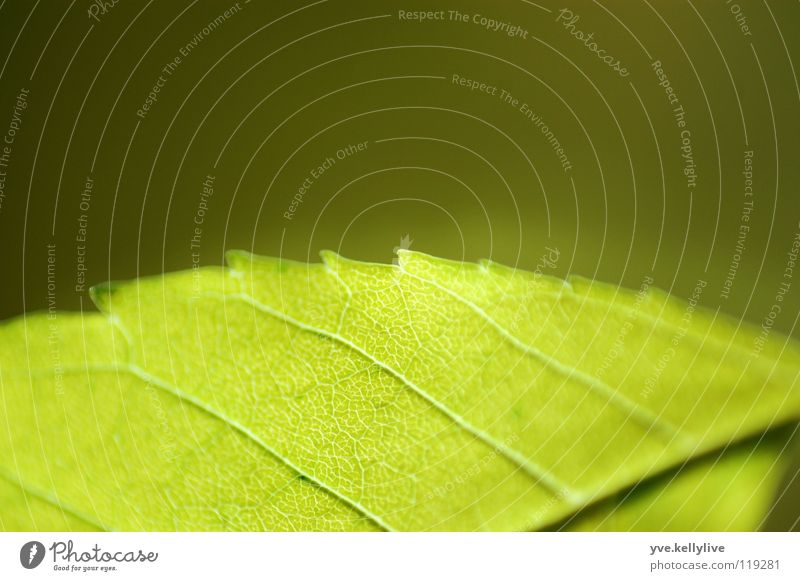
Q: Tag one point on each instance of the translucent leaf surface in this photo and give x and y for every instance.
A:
(433, 395)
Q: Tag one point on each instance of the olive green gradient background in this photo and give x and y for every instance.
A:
(280, 86)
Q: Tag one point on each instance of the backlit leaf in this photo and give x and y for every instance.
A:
(274, 395)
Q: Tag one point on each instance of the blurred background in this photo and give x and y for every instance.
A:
(650, 138)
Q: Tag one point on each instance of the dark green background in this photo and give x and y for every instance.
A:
(280, 86)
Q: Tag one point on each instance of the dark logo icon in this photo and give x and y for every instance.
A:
(31, 554)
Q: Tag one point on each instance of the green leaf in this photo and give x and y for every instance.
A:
(429, 395)
(97, 444)
(728, 490)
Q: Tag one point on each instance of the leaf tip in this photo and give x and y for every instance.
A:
(331, 259)
(101, 295)
(405, 257)
(236, 259)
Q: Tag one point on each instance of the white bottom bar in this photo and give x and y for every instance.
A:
(618, 556)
